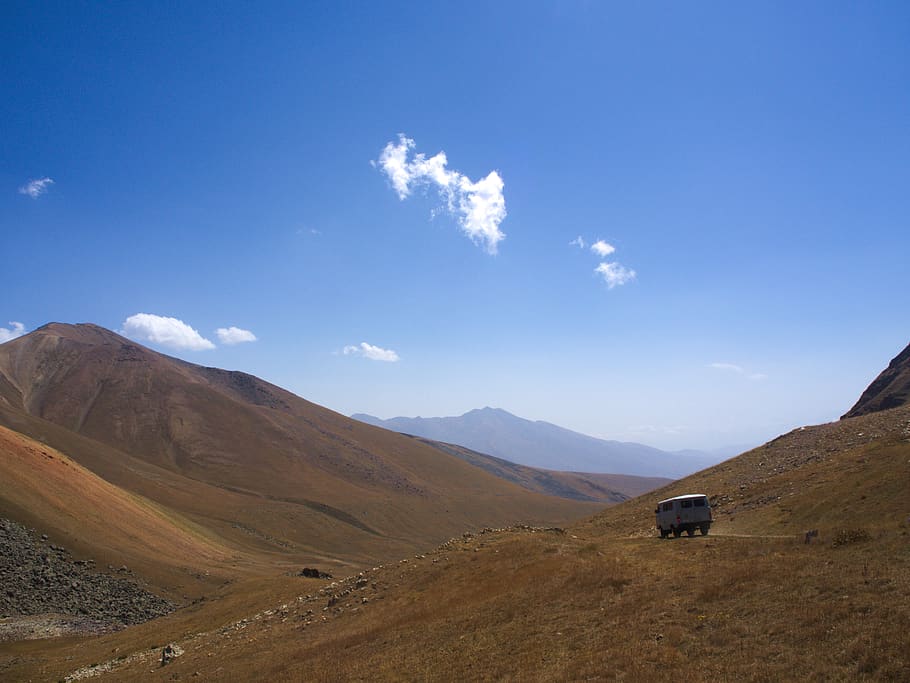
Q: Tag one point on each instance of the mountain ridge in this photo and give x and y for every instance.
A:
(545, 445)
(890, 389)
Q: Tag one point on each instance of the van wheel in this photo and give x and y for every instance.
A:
(690, 531)
(677, 532)
(704, 529)
(663, 532)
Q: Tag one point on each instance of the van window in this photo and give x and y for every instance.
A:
(668, 507)
(699, 502)
(687, 503)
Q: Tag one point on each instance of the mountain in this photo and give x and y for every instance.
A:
(889, 390)
(544, 445)
(753, 601)
(259, 470)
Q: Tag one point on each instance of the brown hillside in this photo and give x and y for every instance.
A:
(244, 458)
(889, 390)
(599, 601)
(98, 520)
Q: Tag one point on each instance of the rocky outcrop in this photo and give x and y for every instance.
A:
(889, 390)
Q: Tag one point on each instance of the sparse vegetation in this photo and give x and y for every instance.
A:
(850, 536)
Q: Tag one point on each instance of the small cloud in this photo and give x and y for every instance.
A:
(615, 274)
(371, 352)
(602, 249)
(479, 206)
(234, 335)
(169, 332)
(16, 330)
(738, 370)
(36, 188)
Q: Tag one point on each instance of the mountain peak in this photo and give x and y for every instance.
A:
(82, 332)
(487, 410)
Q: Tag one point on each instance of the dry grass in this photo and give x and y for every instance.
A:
(520, 606)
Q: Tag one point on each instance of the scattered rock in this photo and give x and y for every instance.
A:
(42, 579)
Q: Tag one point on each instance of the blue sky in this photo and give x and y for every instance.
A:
(221, 165)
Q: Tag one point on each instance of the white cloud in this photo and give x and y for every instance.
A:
(371, 352)
(738, 370)
(602, 249)
(36, 188)
(614, 274)
(16, 330)
(479, 206)
(169, 332)
(234, 335)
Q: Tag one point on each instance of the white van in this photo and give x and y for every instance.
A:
(684, 513)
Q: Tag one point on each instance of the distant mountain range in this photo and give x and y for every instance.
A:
(540, 444)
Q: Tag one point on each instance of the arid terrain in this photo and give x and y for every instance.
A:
(562, 590)
(235, 461)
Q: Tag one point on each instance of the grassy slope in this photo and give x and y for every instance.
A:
(848, 473)
(603, 601)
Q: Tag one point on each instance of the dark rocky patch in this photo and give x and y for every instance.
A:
(37, 577)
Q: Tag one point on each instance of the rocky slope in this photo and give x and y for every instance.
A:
(40, 578)
(889, 390)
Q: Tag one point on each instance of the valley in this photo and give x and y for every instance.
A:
(521, 342)
(542, 589)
